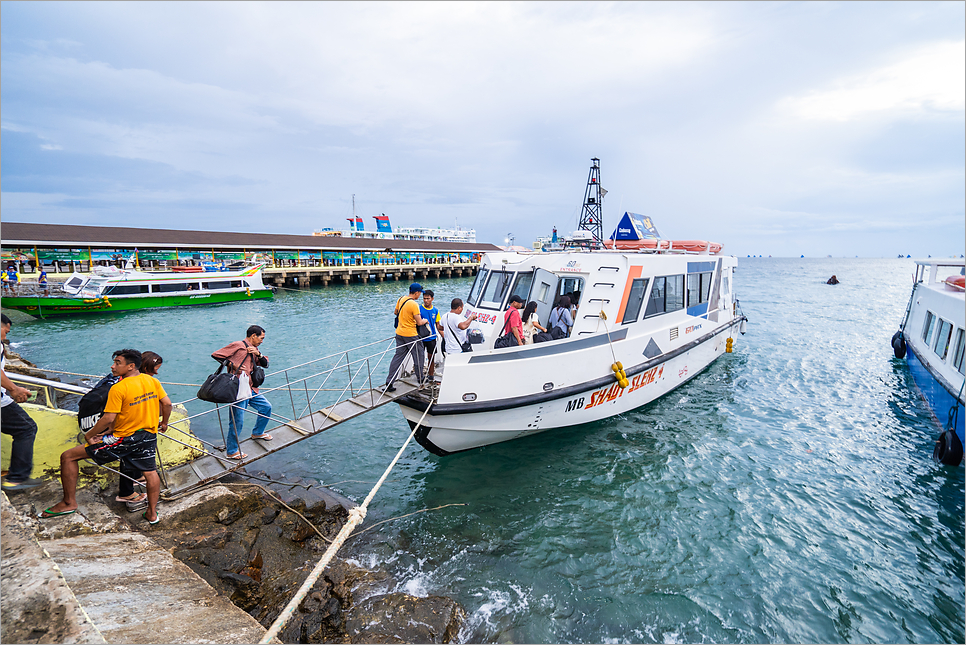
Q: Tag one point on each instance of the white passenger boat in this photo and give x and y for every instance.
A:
(663, 314)
(934, 334)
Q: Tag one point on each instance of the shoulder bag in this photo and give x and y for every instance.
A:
(258, 374)
(507, 339)
(219, 388)
(466, 346)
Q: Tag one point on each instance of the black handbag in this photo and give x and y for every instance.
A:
(423, 331)
(507, 339)
(258, 374)
(219, 388)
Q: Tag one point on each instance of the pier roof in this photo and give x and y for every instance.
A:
(28, 234)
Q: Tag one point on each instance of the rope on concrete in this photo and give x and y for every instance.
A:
(356, 516)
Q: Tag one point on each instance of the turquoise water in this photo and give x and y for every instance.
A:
(787, 494)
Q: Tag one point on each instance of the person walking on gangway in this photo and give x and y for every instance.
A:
(407, 336)
(242, 356)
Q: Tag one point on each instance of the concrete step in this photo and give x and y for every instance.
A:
(136, 592)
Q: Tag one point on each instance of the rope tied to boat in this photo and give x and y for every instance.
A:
(616, 367)
(356, 516)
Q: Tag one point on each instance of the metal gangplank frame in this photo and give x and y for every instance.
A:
(355, 398)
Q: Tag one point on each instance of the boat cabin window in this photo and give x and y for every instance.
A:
(958, 350)
(667, 295)
(477, 287)
(635, 300)
(522, 285)
(126, 289)
(699, 288)
(497, 287)
(928, 327)
(941, 347)
(225, 284)
(73, 282)
(168, 287)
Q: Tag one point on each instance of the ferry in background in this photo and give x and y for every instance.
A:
(385, 231)
(109, 289)
(934, 335)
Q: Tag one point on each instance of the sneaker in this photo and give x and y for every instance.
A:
(390, 388)
(11, 487)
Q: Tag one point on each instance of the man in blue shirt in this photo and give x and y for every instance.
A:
(430, 313)
(12, 278)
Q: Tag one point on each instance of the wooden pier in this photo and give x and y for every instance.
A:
(304, 276)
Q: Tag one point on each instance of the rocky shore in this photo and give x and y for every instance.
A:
(254, 544)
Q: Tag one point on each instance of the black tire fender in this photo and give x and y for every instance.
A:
(899, 345)
(949, 449)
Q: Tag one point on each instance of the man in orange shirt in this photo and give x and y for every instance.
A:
(127, 430)
(407, 336)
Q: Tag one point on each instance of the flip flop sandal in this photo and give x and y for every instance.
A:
(136, 498)
(263, 437)
(156, 519)
(49, 513)
(238, 456)
(134, 507)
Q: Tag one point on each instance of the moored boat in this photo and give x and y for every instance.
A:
(109, 289)
(657, 315)
(932, 338)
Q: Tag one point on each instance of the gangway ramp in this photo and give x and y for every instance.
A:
(212, 466)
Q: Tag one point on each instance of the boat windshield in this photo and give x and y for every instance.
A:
(92, 288)
(477, 287)
(496, 289)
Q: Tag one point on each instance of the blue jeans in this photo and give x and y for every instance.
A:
(235, 419)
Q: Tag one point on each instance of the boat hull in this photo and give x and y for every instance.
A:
(446, 429)
(52, 306)
(940, 401)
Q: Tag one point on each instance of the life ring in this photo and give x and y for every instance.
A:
(949, 450)
(957, 282)
(899, 345)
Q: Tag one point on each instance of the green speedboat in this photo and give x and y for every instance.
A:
(109, 289)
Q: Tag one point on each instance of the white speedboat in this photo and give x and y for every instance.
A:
(664, 315)
(933, 333)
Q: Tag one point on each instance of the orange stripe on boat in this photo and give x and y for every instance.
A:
(635, 272)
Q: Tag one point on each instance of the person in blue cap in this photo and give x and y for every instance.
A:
(407, 335)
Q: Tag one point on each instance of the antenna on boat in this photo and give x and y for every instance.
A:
(590, 216)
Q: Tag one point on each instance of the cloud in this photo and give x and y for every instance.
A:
(930, 79)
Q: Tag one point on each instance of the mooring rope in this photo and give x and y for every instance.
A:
(356, 516)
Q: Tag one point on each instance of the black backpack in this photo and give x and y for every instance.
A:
(91, 406)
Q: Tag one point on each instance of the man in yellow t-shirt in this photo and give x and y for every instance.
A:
(128, 430)
(407, 337)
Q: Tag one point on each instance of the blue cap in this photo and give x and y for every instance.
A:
(414, 287)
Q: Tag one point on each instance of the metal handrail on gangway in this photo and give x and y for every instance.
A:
(354, 399)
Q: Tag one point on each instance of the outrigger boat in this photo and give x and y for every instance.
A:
(109, 289)
(647, 322)
(934, 333)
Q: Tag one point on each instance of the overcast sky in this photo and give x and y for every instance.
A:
(773, 128)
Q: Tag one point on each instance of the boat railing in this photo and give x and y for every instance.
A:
(47, 387)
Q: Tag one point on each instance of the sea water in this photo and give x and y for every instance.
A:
(786, 494)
